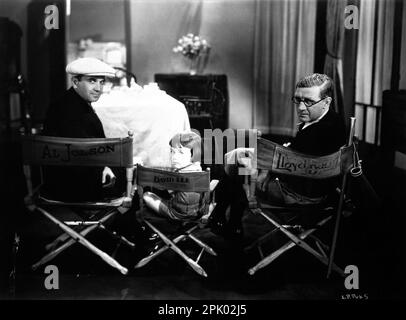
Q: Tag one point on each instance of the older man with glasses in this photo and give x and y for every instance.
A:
(321, 131)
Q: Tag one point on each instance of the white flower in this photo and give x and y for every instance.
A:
(191, 45)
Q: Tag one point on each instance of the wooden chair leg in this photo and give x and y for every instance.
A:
(176, 240)
(260, 240)
(336, 226)
(82, 240)
(51, 255)
(161, 250)
(172, 245)
(290, 244)
(294, 240)
(203, 245)
(59, 240)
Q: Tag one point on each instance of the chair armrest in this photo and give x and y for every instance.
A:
(127, 202)
(213, 184)
(29, 198)
(29, 203)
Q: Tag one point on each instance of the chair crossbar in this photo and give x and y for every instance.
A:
(114, 203)
(321, 249)
(294, 240)
(169, 244)
(261, 253)
(64, 236)
(263, 238)
(80, 223)
(195, 266)
(158, 252)
(260, 240)
(78, 237)
(200, 255)
(203, 245)
(116, 236)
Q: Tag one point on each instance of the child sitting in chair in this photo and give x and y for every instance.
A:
(180, 205)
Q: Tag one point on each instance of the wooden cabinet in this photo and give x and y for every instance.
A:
(204, 96)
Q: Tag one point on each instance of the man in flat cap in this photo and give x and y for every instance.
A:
(72, 116)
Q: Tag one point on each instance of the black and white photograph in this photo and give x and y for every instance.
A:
(203, 158)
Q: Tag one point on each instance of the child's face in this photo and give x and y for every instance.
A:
(180, 157)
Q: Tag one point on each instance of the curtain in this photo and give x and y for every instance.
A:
(156, 27)
(374, 64)
(228, 25)
(284, 37)
(402, 81)
(333, 65)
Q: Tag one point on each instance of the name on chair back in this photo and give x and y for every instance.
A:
(286, 162)
(69, 152)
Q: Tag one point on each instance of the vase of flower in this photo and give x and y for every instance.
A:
(194, 48)
(194, 66)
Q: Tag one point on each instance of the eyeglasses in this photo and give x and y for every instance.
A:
(308, 103)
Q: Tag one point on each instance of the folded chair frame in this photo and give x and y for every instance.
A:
(70, 237)
(119, 155)
(268, 154)
(294, 240)
(192, 182)
(172, 245)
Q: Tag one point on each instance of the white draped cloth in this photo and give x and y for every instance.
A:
(153, 116)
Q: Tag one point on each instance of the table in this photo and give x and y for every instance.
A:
(152, 115)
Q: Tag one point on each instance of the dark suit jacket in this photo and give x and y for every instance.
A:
(73, 117)
(321, 138)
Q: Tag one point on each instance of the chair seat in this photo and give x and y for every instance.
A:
(297, 208)
(113, 203)
(328, 201)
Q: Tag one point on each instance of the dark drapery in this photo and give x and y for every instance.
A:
(333, 65)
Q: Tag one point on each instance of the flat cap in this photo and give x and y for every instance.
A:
(90, 67)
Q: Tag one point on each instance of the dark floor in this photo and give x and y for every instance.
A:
(373, 240)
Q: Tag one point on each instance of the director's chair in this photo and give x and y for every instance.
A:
(40, 151)
(168, 179)
(283, 161)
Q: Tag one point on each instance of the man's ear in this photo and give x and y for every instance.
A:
(328, 101)
(75, 82)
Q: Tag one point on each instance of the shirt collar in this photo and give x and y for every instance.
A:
(315, 121)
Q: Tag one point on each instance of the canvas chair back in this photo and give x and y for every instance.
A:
(284, 161)
(94, 152)
(168, 179)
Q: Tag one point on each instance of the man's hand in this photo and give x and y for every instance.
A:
(109, 177)
(242, 158)
(263, 180)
